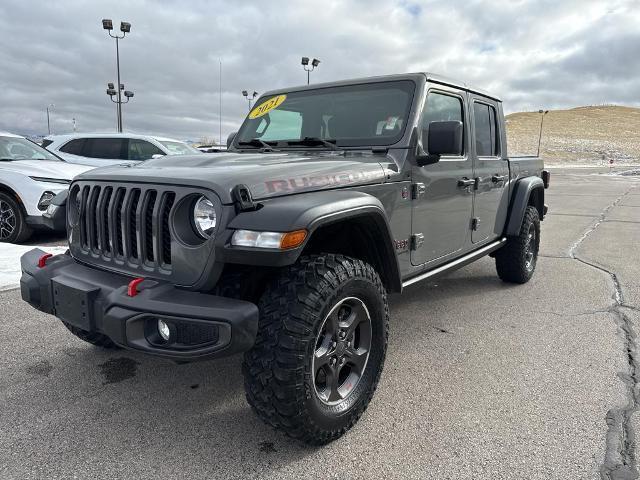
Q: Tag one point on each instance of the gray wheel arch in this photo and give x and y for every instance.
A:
(528, 191)
(318, 212)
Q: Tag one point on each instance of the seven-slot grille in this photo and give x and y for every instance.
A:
(123, 223)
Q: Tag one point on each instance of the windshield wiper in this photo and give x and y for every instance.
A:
(315, 142)
(256, 142)
(7, 159)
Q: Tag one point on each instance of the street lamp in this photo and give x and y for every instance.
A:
(542, 114)
(49, 108)
(112, 92)
(245, 94)
(305, 64)
(125, 27)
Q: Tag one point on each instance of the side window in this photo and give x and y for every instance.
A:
(485, 130)
(74, 147)
(283, 124)
(142, 150)
(440, 107)
(108, 148)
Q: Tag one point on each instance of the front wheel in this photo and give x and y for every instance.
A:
(13, 225)
(320, 347)
(516, 261)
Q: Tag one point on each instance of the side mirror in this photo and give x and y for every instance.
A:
(230, 138)
(443, 138)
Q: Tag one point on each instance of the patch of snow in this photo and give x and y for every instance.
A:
(10, 270)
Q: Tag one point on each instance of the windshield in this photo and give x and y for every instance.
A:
(179, 148)
(18, 148)
(352, 115)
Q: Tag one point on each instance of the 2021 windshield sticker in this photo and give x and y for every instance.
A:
(266, 107)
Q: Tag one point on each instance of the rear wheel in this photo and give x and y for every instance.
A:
(516, 261)
(320, 347)
(13, 225)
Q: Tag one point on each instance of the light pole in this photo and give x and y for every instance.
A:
(245, 94)
(542, 114)
(111, 91)
(49, 108)
(305, 64)
(125, 27)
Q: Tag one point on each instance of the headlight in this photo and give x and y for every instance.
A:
(45, 200)
(204, 217)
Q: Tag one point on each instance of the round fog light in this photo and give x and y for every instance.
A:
(163, 330)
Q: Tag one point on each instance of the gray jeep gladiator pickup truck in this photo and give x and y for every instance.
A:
(285, 248)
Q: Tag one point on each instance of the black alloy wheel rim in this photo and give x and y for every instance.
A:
(341, 351)
(530, 249)
(7, 220)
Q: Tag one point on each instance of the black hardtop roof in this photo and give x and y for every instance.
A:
(386, 78)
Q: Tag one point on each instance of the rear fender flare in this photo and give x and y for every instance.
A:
(520, 201)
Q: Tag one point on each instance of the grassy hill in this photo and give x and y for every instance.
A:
(579, 136)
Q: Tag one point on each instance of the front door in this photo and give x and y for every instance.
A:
(442, 204)
(490, 170)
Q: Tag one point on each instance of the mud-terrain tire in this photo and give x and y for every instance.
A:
(93, 338)
(13, 224)
(313, 328)
(516, 261)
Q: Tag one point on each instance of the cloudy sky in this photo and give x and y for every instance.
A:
(544, 53)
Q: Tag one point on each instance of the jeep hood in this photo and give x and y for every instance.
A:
(266, 175)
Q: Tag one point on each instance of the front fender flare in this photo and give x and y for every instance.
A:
(309, 211)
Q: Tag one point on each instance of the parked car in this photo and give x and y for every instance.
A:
(30, 177)
(212, 148)
(333, 196)
(102, 149)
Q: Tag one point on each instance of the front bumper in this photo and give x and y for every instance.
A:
(203, 326)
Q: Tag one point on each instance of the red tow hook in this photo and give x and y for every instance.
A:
(132, 289)
(42, 261)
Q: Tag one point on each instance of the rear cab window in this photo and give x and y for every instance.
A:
(486, 130)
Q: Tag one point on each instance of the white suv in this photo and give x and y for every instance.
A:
(30, 177)
(101, 149)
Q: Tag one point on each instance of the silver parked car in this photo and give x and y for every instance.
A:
(102, 149)
(30, 177)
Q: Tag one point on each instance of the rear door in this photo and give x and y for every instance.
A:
(490, 170)
(442, 206)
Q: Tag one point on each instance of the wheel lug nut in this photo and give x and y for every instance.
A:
(348, 344)
(342, 361)
(342, 334)
(332, 362)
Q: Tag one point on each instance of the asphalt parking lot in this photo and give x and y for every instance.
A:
(482, 379)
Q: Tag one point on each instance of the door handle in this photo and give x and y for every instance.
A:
(498, 178)
(466, 182)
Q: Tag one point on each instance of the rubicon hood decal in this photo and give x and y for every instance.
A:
(315, 182)
(266, 175)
